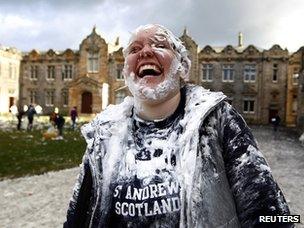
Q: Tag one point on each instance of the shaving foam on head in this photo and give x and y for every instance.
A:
(176, 44)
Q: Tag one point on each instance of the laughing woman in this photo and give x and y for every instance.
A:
(173, 155)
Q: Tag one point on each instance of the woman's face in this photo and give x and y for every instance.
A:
(151, 65)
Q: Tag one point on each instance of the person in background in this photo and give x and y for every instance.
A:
(53, 118)
(30, 116)
(19, 117)
(59, 121)
(174, 154)
(74, 115)
(276, 122)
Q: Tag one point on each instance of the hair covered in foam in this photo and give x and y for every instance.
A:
(176, 44)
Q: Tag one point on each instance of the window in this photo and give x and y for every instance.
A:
(10, 70)
(249, 73)
(248, 105)
(34, 73)
(295, 76)
(228, 73)
(49, 98)
(275, 73)
(65, 98)
(33, 97)
(67, 72)
(93, 61)
(207, 72)
(50, 73)
(119, 75)
(119, 96)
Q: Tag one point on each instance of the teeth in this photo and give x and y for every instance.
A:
(149, 67)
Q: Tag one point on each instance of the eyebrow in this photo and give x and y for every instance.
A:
(152, 40)
(134, 42)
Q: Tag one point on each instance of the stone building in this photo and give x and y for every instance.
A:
(192, 48)
(9, 77)
(274, 83)
(253, 79)
(118, 89)
(259, 83)
(300, 117)
(67, 79)
(45, 78)
(89, 89)
(295, 90)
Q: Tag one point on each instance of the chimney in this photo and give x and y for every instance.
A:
(185, 31)
(240, 44)
(117, 41)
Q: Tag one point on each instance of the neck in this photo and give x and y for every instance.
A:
(148, 111)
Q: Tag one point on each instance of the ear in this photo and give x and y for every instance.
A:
(186, 69)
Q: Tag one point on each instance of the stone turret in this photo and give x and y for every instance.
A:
(192, 48)
(240, 40)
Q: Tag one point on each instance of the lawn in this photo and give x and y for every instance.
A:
(27, 153)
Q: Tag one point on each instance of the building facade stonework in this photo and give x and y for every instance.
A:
(259, 83)
(295, 92)
(45, 78)
(9, 77)
(253, 79)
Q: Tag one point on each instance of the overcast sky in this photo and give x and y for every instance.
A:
(61, 24)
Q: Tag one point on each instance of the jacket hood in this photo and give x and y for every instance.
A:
(196, 98)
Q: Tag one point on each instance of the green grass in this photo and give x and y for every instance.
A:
(27, 153)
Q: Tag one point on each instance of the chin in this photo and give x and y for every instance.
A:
(154, 92)
(155, 89)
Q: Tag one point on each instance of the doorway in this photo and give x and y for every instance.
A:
(86, 102)
(272, 114)
(11, 103)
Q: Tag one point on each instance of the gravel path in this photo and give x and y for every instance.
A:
(36, 201)
(41, 201)
(285, 155)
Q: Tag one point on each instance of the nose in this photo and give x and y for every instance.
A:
(146, 51)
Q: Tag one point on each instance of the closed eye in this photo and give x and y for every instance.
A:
(160, 46)
(134, 50)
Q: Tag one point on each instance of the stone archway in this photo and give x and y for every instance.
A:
(86, 102)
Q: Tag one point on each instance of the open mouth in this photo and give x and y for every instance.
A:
(149, 70)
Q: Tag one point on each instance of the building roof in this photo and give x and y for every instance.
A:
(9, 49)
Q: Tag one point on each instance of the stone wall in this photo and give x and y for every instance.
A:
(9, 77)
(41, 84)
